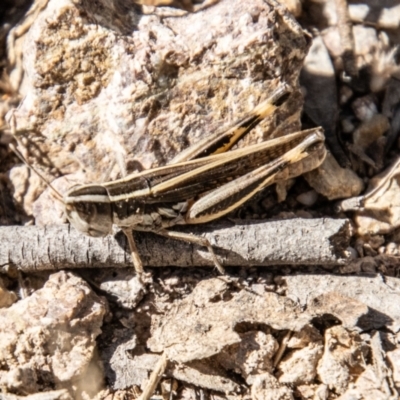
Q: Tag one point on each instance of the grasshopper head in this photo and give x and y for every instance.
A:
(88, 210)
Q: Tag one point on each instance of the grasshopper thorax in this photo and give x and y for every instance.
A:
(89, 210)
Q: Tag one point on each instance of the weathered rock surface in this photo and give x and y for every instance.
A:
(47, 340)
(191, 337)
(375, 301)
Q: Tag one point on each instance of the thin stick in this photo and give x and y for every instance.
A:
(154, 378)
(282, 348)
(320, 241)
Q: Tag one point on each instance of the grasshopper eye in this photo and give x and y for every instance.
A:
(89, 211)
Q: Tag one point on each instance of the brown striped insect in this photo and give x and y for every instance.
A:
(201, 184)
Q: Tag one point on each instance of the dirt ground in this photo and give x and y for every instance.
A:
(309, 305)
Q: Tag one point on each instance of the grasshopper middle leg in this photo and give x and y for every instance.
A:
(186, 237)
(200, 241)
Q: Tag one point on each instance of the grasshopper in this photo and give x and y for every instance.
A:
(201, 184)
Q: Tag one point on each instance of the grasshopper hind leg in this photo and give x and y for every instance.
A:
(200, 241)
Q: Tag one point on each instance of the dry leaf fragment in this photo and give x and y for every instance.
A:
(348, 310)
(381, 296)
(378, 210)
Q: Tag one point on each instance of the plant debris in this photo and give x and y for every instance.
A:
(98, 90)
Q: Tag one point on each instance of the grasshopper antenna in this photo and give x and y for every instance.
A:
(23, 159)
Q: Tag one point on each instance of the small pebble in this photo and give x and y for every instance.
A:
(294, 6)
(303, 214)
(308, 198)
(347, 125)
(351, 252)
(376, 241)
(371, 130)
(286, 215)
(369, 251)
(345, 94)
(392, 248)
(383, 17)
(257, 288)
(368, 265)
(6, 297)
(333, 181)
(351, 268)
(364, 107)
(173, 281)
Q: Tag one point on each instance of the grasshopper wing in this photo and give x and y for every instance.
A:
(223, 168)
(307, 155)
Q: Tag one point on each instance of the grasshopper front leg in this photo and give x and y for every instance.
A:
(137, 261)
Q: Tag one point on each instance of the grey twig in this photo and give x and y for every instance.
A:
(285, 242)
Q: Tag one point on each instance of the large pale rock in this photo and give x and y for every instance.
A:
(110, 89)
(47, 340)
